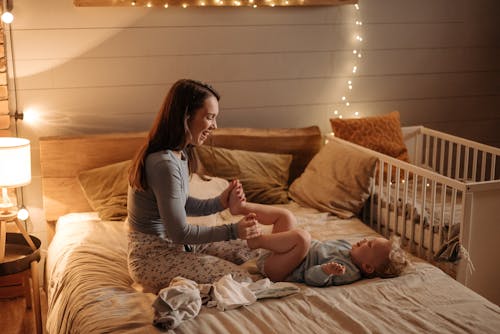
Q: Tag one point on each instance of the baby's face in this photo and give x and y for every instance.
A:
(371, 252)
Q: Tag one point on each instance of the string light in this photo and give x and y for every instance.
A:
(229, 3)
(343, 108)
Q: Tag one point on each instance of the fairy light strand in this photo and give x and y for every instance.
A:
(343, 107)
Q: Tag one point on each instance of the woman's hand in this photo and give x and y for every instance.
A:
(333, 268)
(248, 227)
(233, 197)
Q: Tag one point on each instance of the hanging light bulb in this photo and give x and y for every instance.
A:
(7, 16)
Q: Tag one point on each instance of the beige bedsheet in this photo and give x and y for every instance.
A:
(90, 291)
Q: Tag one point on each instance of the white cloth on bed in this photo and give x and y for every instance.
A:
(229, 294)
(179, 301)
(183, 298)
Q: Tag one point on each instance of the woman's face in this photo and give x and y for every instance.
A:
(204, 121)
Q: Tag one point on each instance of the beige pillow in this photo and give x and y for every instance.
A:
(337, 180)
(264, 176)
(106, 189)
(379, 133)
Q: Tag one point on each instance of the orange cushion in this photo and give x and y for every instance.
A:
(379, 133)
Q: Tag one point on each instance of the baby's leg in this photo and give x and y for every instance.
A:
(281, 219)
(288, 250)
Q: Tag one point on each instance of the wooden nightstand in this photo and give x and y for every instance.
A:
(19, 256)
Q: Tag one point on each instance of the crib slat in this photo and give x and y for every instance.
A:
(412, 212)
(474, 165)
(422, 216)
(434, 153)
(466, 163)
(450, 158)
(443, 210)
(403, 209)
(452, 212)
(380, 193)
(431, 219)
(396, 200)
(427, 152)
(441, 157)
(388, 213)
(457, 164)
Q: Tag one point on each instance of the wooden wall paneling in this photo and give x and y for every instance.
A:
(182, 40)
(161, 70)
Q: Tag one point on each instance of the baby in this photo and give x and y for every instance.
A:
(292, 256)
(337, 262)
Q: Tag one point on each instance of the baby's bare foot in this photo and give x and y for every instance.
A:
(237, 201)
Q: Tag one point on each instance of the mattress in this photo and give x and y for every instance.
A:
(90, 291)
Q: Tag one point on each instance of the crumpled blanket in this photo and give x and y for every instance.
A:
(179, 301)
(183, 298)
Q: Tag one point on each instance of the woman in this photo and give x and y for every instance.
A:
(162, 245)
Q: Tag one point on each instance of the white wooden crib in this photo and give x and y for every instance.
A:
(449, 191)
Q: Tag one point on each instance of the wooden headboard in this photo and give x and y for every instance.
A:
(63, 158)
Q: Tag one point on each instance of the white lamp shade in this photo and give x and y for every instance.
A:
(15, 162)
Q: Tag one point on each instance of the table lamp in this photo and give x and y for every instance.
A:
(15, 171)
(15, 168)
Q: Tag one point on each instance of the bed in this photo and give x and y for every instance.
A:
(90, 291)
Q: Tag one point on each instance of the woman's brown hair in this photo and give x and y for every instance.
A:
(170, 129)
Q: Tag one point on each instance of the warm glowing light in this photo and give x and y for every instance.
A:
(133, 3)
(165, 5)
(23, 214)
(254, 6)
(149, 5)
(349, 87)
(31, 116)
(184, 5)
(7, 17)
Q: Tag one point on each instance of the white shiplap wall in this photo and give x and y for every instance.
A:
(90, 70)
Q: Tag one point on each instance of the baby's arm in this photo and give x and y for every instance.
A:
(333, 268)
(323, 274)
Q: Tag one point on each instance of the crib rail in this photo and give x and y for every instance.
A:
(456, 157)
(443, 204)
(421, 207)
(428, 202)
